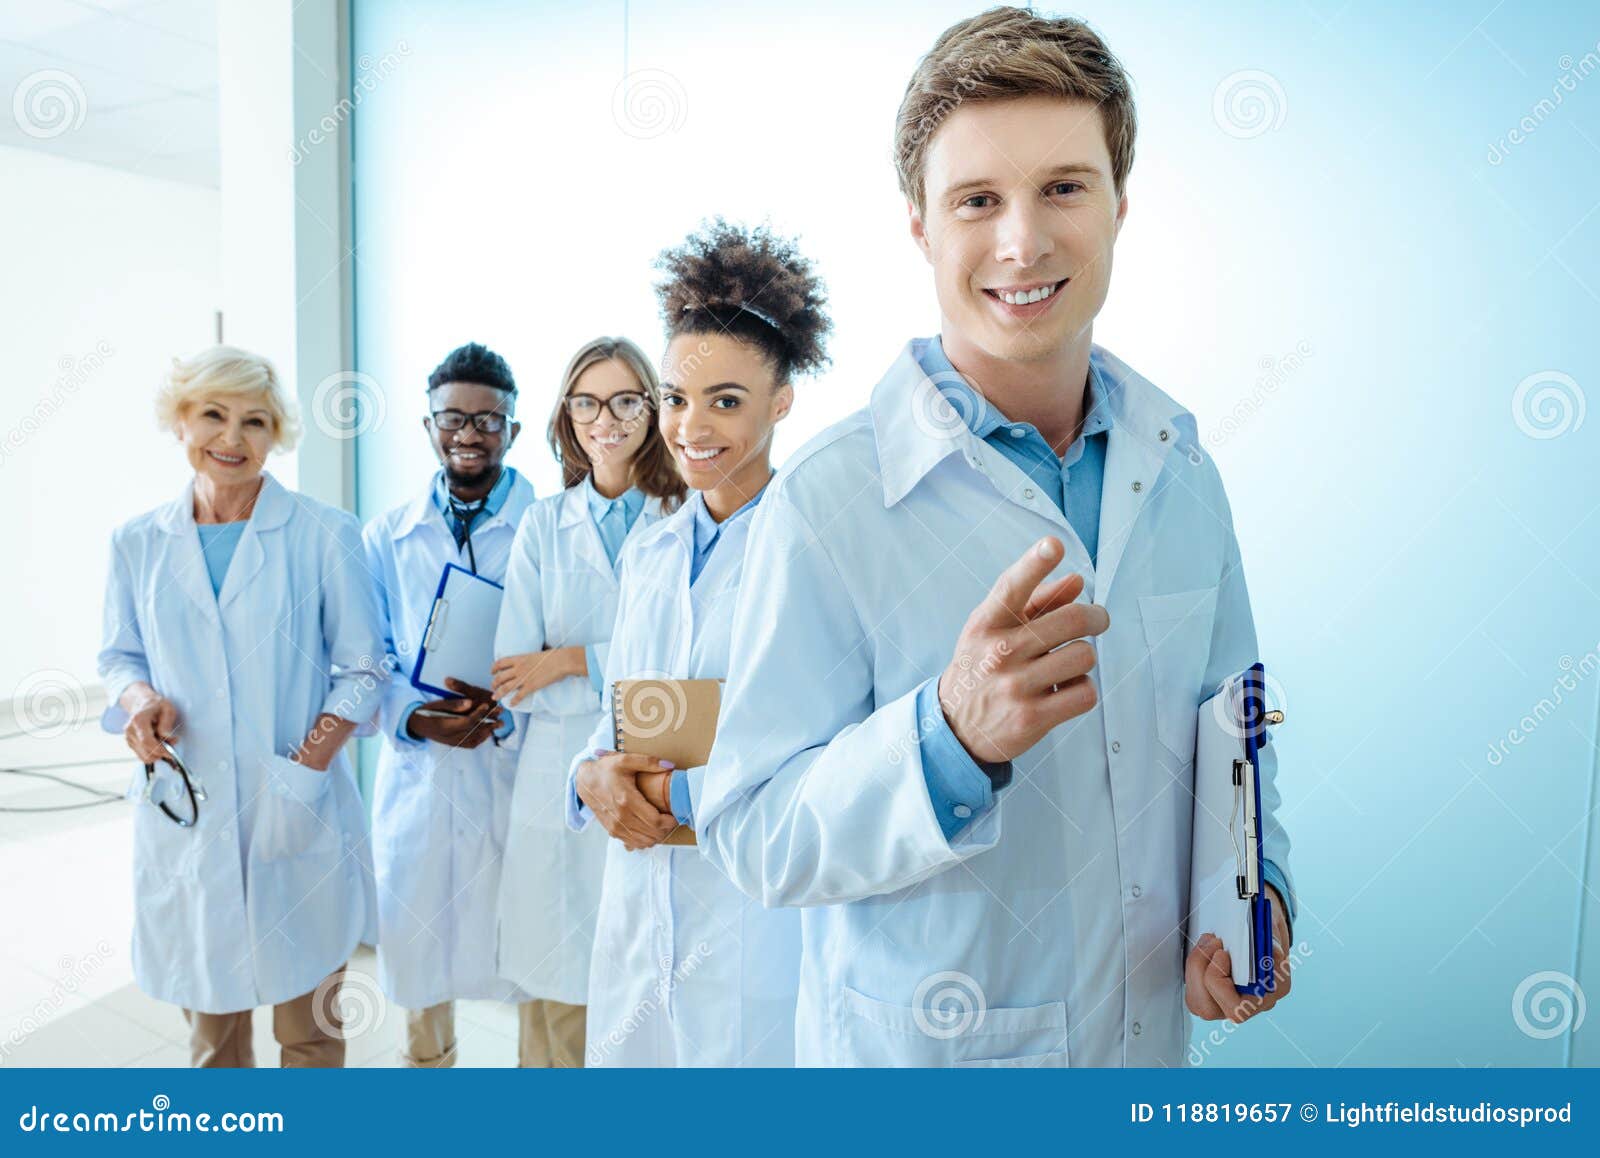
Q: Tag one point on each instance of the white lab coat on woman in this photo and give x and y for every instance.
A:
(438, 813)
(561, 591)
(272, 889)
(687, 970)
(1050, 930)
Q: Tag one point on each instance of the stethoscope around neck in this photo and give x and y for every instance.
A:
(467, 514)
(191, 786)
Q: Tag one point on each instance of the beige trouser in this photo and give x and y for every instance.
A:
(549, 1034)
(307, 1028)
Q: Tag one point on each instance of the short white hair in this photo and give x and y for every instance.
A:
(228, 372)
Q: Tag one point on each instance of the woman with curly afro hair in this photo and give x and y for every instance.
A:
(686, 969)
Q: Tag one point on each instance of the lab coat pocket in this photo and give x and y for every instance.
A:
(297, 813)
(1177, 630)
(955, 1027)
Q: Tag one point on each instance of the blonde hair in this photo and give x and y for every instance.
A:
(651, 469)
(228, 372)
(1004, 54)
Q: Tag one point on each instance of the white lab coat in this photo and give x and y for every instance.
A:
(561, 591)
(438, 813)
(272, 889)
(1049, 931)
(687, 970)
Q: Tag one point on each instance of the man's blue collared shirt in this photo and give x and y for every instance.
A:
(957, 787)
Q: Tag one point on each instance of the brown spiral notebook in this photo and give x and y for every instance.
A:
(669, 719)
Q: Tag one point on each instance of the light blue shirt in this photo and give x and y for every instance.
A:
(613, 519)
(217, 543)
(707, 534)
(957, 787)
(488, 508)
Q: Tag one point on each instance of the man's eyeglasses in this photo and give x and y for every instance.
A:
(624, 406)
(486, 421)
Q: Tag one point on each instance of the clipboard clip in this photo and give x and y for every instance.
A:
(436, 619)
(1247, 863)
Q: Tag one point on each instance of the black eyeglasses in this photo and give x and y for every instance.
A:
(486, 421)
(192, 789)
(624, 406)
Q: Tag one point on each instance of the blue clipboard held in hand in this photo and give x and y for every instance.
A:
(1226, 893)
(458, 640)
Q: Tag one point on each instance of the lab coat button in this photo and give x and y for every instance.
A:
(1137, 486)
(1027, 492)
(1163, 436)
(1137, 1029)
(961, 811)
(1137, 892)
(1116, 745)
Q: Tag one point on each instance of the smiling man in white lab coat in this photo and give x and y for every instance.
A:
(442, 797)
(982, 612)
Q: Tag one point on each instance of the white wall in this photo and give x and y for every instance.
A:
(106, 275)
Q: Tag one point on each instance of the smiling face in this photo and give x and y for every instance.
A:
(471, 458)
(720, 401)
(226, 437)
(1021, 217)
(609, 439)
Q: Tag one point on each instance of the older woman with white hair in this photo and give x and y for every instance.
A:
(242, 650)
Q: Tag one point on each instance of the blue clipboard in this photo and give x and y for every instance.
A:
(470, 604)
(1263, 978)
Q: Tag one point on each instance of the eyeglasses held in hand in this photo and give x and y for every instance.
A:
(192, 789)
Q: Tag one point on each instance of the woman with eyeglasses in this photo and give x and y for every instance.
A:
(241, 641)
(555, 624)
(687, 970)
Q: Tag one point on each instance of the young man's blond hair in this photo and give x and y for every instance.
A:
(1003, 54)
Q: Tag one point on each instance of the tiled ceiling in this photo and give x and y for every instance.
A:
(126, 83)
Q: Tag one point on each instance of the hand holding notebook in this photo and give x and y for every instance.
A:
(668, 719)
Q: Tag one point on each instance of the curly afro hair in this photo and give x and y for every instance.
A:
(753, 285)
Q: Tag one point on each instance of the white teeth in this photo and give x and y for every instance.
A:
(700, 455)
(1028, 298)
